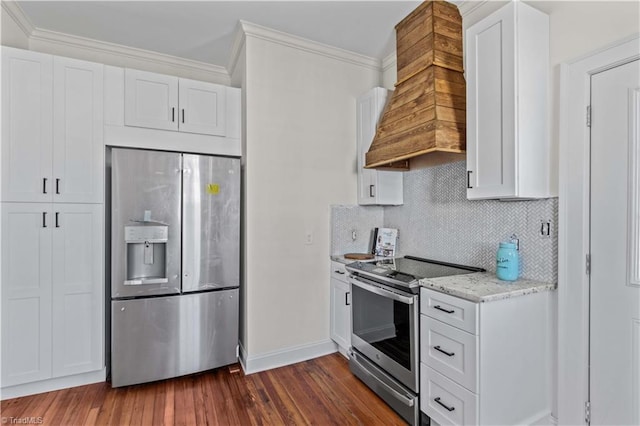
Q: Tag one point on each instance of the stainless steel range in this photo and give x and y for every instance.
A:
(386, 328)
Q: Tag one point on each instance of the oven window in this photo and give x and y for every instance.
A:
(383, 323)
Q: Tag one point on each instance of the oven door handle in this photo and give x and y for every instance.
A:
(382, 292)
(405, 399)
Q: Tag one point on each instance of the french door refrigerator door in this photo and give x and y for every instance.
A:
(145, 223)
(211, 223)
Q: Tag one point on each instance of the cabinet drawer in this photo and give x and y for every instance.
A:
(445, 401)
(451, 310)
(338, 271)
(450, 351)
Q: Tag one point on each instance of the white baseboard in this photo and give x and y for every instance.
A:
(53, 384)
(291, 355)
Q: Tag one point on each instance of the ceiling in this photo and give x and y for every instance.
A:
(204, 30)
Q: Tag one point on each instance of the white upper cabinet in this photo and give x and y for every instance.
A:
(151, 100)
(78, 149)
(202, 107)
(164, 102)
(507, 72)
(375, 187)
(52, 147)
(27, 91)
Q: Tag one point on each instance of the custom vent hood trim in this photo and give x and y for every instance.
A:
(426, 114)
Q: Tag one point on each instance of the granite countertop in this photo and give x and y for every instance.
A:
(342, 259)
(482, 287)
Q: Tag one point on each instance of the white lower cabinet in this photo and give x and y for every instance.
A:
(52, 291)
(485, 363)
(340, 317)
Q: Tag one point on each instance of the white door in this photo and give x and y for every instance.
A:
(614, 380)
(26, 126)
(78, 150)
(26, 292)
(78, 291)
(490, 105)
(150, 100)
(368, 113)
(202, 107)
(340, 313)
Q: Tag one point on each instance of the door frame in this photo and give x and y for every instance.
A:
(574, 222)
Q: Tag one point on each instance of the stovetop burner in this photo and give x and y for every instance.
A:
(405, 272)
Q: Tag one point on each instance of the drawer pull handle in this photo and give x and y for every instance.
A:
(339, 272)
(437, 348)
(438, 307)
(444, 405)
(346, 299)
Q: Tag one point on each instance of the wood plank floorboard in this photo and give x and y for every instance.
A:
(320, 391)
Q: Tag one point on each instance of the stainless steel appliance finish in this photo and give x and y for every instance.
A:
(385, 324)
(385, 328)
(386, 387)
(161, 337)
(211, 225)
(144, 181)
(175, 233)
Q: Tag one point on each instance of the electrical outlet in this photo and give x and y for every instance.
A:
(545, 228)
(308, 238)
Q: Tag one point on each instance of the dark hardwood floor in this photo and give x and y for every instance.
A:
(321, 391)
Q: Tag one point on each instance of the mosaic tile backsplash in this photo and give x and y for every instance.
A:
(345, 219)
(438, 222)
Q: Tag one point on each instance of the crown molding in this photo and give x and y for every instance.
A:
(467, 7)
(306, 45)
(16, 13)
(98, 46)
(239, 40)
(389, 61)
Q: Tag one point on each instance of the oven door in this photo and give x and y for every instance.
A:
(385, 328)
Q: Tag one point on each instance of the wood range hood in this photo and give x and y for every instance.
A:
(425, 118)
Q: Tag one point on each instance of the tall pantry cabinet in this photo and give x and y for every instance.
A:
(52, 225)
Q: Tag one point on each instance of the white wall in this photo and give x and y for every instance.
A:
(300, 154)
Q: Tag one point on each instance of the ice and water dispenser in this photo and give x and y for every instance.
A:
(146, 247)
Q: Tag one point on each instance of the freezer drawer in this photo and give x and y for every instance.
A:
(163, 337)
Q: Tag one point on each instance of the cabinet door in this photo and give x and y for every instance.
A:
(150, 100)
(202, 107)
(368, 112)
(26, 292)
(491, 106)
(78, 151)
(26, 125)
(340, 313)
(78, 290)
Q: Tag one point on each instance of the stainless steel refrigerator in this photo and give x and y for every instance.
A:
(175, 269)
